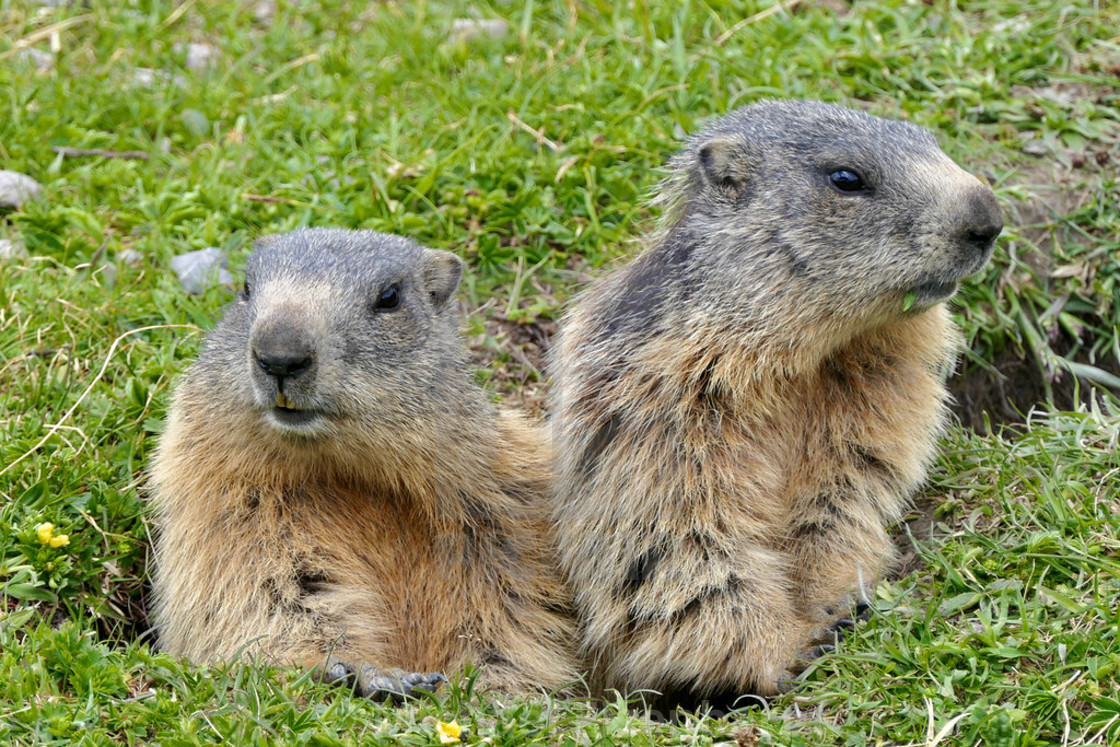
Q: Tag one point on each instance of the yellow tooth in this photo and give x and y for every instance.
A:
(283, 401)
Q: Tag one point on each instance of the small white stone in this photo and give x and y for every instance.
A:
(464, 29)
(130, 257)
(145, 77)
(10, 249)
(199, 56)
(17, 188)
(264, 11)
(200, 270)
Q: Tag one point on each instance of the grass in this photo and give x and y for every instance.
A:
(531, 156)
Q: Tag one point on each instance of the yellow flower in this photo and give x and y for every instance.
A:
(448, 732)
(46, 534)
(45, 531)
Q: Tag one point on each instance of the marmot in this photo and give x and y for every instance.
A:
(332, 482)
(741, 411)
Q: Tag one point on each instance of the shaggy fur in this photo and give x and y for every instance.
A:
(741, 411)
(370, 502)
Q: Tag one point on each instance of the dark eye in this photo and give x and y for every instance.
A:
(245, 290)
(847, 180)
(390, 299)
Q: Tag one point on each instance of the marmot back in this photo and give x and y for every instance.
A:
(333, 483)
(741, 411)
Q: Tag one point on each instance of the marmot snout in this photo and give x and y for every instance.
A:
(283, 367)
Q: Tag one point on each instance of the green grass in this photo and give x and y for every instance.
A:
(531, 155)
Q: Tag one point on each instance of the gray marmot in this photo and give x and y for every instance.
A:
(741, 411)
(332, 483)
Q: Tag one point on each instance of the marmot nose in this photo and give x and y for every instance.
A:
(284, 365)
(283, 362)
(283, 345)
(983, 221)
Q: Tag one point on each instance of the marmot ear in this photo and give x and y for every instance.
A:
(442, 273)
(727, 163)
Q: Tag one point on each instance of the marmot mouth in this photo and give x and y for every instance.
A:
(933, 291)
(291, 419)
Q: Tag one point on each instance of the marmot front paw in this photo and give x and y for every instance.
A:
(860, 612)
(824, 642)
(840, 618)
(381, 684)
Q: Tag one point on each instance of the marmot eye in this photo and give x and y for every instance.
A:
(245, 290)
(847, 180)
(390, 299)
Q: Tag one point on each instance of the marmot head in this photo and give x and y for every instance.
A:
(337, 331)
(858, 215)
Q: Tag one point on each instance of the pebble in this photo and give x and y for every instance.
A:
(130, 257)
(10, 249)
(17, 188)
(199, 56)
(148, 78)
(200, 270)
(264, 11)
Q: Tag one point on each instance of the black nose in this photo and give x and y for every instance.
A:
(284, 364)
(283, 345)
(982, 236)
(983, 221)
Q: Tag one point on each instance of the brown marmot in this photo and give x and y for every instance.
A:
(741, 411)
(332, 482)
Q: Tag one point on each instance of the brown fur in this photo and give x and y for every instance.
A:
(742, 410)
(407, 532)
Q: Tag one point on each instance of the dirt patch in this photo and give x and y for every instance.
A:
(1018, 384)
(127, 617)
(515, 352)
(997, 397)
(513, 345)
